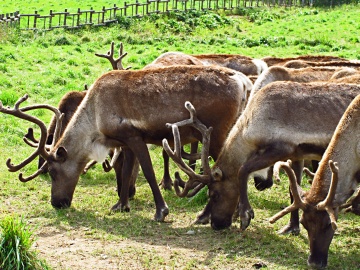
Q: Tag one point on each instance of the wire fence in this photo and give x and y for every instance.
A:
(105, 16)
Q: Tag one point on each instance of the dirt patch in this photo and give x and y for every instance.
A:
(64, 250)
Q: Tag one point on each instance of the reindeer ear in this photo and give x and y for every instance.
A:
(61, 154)
(217, 174)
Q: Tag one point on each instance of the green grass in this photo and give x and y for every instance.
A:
(46, 6)
(15, 246)
(46, 65)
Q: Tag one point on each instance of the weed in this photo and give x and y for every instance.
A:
(15, 246)
(62, 41)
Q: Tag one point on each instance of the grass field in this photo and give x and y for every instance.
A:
(46, 65)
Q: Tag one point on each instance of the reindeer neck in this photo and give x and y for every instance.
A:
(81, 133)
(344, 150)
(235, 149)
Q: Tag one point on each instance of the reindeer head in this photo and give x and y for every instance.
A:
(224, 198)
(63, 180)
(64, 174)
(318, 219)
(220, 208)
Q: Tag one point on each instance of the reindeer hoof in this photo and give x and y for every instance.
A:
(161, 214)
(246, 218)
(165, 184)
(118, 207)
(262, 184)
(202, 219)
(290, 229)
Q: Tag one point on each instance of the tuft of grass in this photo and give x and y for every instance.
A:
(15, 246)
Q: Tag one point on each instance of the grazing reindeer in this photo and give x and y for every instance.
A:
(244, 64)
(332, 186)
(284, 120)
(68, 105)
(303, 75)
(129, 109)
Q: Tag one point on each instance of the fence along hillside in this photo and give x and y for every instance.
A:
(106, 16)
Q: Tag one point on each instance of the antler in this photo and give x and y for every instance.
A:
(115, 63)
(353, 204)
(30, 140)
(326, 204)
(309, 174)
(176, 154)
(298, 202)
(107, 166)
(41, 145)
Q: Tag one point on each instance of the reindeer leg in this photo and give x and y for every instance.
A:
(134, 175)
(353, 205)
(118, 172)
(138, 146)
(262, 184)
(124, 169)
(269, 156)
(293, 226)
(204, 215)
(166, 182)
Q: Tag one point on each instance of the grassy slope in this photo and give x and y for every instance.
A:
(47, 65)
(43, 7)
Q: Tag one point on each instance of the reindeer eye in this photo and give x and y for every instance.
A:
(328, 226)
(214, 195)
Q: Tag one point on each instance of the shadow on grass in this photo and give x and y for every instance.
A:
(259, 242)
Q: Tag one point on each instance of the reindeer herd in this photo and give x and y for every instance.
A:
(249, 114)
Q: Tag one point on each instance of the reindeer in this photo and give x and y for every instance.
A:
(334, 182)
(284, 120)
(348, 79)
(280, 61)
(303, 64)
(118, 111)
(68, 105)
(303, 75)
(173, 59)
(244, 64)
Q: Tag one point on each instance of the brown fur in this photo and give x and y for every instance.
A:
(348, 79)
(299, 130)
(67, 105)
(241, 63)
(172, 59)
(303, 75)
(278, 61)
(302, 64)
(237, 62)
(116, 113)
(344, 149)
